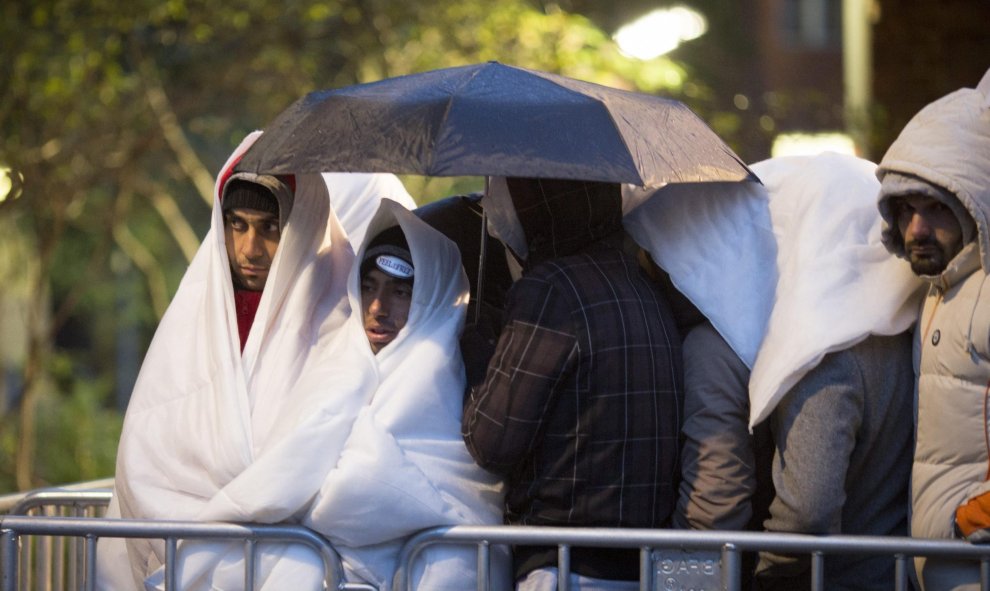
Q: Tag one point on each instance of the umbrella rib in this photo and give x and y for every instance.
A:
(603, 100)
(446, 113)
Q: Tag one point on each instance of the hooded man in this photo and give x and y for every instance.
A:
(396, 464)
(935, 201)
(580, 408)
(832, 375)
(387, 276)
(255, 208)
(793, 282)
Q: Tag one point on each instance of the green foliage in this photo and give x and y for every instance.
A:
(78, 433)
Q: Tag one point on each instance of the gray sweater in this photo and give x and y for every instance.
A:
(843, 461)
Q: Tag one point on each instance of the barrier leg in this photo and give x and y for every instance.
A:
(484, 566)
(645, 569)
(8, 561)
(817, 571)
(563, 568)
(731, 568)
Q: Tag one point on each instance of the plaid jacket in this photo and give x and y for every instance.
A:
(580, 408)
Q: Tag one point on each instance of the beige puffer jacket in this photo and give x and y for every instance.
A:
(948, 144)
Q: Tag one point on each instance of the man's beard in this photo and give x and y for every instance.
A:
(931, 262)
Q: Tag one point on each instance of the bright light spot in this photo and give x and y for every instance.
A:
(741, 102)
(659, 32)
(5, 183)
(810, 144)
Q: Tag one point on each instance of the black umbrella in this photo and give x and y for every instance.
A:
(495, 120)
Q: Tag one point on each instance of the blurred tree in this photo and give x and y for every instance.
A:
(118, 115)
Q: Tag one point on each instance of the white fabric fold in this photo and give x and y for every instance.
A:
(355, 197)
(716, 242)
(503, 223)
(787, 272)
(838, 284)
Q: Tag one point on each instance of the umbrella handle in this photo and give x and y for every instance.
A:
(481, 258)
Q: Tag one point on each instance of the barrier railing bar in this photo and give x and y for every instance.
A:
(171, 546)
(563, 567)
(731, 568)
(784, 543)
(8, 558)
(249, 558)
(54, 556)
(28, 552)
(484, 565)
(90, 574)
(900, 573)
(42, 499)
(645, 572)
(817, 571)
(103, 485)
(702, 540)
(77, 557)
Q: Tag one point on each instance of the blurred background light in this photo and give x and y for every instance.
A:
(659, 32)
(809, 144)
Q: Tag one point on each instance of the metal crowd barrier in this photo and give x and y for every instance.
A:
(48, 543)
(689, 560)
(48, 540)
(14, 527)
(85, 498)
(48, 563)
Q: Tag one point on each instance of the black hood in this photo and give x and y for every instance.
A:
(560, 217)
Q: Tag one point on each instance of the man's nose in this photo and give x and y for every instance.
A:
(919, 227)
(253, 244)
(378, 307)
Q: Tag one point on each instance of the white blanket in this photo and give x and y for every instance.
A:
(838, 284)
(786, 272)
(355, 197)
(404, 466)
(203, 417)
(716, 242)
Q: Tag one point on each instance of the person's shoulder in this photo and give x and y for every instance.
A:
(598, 256)
(703, 337)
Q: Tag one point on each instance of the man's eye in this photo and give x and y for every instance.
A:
(272, 228)
(403, 292)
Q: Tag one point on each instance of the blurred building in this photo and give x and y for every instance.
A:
(923, 50)
(862, 67)
(848, 71)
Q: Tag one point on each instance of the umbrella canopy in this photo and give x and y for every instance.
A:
(491, 119)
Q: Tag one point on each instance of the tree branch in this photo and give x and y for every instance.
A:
(176, 222)
(188, 160)
(144, 261)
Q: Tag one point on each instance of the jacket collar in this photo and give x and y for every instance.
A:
(960, 267)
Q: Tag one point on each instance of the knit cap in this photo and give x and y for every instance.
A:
(389, 253)
(261, 192)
